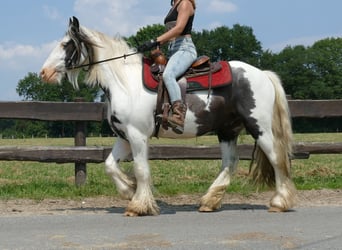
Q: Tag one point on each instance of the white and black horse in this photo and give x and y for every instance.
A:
(255, 101)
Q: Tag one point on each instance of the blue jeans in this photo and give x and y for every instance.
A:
(182, 53)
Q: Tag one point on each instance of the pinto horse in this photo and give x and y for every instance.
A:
(255, 101)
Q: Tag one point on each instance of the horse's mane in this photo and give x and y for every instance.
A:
(99, 47)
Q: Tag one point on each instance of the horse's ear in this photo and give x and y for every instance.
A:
(74, 24)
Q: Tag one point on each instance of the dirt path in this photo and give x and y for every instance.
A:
(182, 202)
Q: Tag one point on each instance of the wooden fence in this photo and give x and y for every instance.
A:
(81, 112)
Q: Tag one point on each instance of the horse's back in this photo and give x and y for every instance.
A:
(249, 71)
(254, 80)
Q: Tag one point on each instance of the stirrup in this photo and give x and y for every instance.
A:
(176, 128)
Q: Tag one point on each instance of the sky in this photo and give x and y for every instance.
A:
(31, 29)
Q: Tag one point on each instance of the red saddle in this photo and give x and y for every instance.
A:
(218, 79)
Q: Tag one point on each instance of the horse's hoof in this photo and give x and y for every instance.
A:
(131, 214)
(276, 210)
(205, 209)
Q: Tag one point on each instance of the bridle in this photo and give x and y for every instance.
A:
(71, 67)
(98, 62)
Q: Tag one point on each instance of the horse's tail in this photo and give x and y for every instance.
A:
(282, 138)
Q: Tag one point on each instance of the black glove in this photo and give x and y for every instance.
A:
(149, 45)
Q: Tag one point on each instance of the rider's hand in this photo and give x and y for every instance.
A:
(149, 45)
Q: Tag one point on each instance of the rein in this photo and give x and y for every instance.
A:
(102, 61)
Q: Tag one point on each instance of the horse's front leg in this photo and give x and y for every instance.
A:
(143, 202)
(125, 182)
(212, 200)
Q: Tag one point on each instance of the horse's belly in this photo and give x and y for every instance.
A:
(172, 135)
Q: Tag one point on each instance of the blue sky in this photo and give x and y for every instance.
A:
(30, 29)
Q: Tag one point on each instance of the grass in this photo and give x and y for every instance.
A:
(49, 180)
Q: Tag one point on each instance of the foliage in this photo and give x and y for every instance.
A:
(326, 62)
(223, 43)
(145, 34)
(31, 88)
(309, 72)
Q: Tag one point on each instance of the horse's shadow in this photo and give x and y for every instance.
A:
(166, 208)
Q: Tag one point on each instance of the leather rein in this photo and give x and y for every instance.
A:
(102, 61)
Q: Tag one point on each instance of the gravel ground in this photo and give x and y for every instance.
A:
(181, 202)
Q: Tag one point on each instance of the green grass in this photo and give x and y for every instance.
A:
(38, 181)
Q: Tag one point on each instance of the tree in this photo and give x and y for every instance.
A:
(222, 43)
(145, 34)
(267, 60)
(325, 61)
(291, 65)
(244, 45)
(309, 72)
(31, 88)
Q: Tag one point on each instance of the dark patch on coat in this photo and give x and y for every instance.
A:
(229, 111)
(118, 132)
(244, 101)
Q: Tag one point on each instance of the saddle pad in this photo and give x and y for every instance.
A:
(219, 78)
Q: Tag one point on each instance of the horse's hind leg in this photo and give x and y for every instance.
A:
(212, 200)
(285, 195)
(125, 183)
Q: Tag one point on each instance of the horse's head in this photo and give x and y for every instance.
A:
(72, 51)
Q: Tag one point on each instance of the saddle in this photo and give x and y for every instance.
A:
(202, 75)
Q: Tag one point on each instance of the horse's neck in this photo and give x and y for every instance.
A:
(117, 72)
(121, 78)
(130, 99)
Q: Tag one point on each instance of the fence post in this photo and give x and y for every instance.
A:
(80, 140)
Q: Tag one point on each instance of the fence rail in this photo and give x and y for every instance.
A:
(94, 154)
(89, 111)
(81, 112)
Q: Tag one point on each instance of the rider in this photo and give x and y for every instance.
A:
(182, 53)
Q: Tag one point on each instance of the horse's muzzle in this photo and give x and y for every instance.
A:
(49, 75)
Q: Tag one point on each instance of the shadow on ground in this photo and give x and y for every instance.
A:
(165, 208)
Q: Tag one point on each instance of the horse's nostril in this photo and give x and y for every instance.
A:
(44, 74)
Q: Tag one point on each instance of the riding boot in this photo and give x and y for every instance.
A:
(176, 120)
